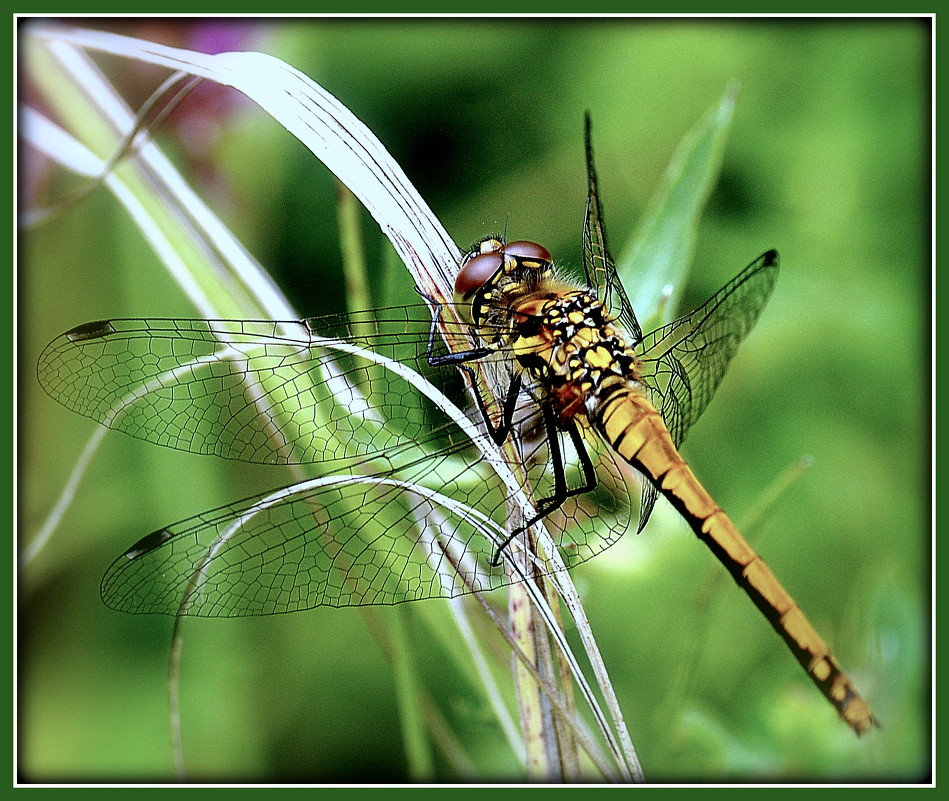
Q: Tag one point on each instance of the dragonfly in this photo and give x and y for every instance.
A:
(397, 505)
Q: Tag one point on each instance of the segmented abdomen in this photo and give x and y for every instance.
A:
(636, 431)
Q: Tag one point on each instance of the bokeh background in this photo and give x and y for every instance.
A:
(828, 161)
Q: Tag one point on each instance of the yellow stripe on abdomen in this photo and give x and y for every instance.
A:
(636, 431)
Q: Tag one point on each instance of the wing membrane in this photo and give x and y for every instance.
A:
(255, 391)
(299, 392)
(426, 530)
(684, 362)
(338, 541)
(597, 263)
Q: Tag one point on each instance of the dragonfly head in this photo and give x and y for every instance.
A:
(492, 260)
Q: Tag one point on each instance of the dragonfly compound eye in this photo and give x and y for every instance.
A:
(477, 271)
(528, 252)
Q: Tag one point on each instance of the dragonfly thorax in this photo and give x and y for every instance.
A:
(559, 333)
(569, 344)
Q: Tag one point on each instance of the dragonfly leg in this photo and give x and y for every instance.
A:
(500, 434)
(446, 359)
(561, 491)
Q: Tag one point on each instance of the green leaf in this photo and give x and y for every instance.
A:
(661, 251)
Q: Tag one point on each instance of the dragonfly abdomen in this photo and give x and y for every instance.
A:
(636, 431)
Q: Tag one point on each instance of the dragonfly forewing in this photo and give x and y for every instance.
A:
(598, 264)
(298, 392)
(682, 363)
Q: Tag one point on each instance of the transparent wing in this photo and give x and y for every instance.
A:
(684, 362)
(343, 540)
(425, 530)
(395, 470)
(597, 263)
(255, 391)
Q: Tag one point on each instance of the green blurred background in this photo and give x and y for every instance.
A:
(828, 161)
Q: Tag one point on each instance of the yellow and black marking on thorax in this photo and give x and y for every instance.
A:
(570, 345)
(559, 334)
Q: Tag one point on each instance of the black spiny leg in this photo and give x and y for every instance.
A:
(561, 492)
(500, 434)
(447, 359)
